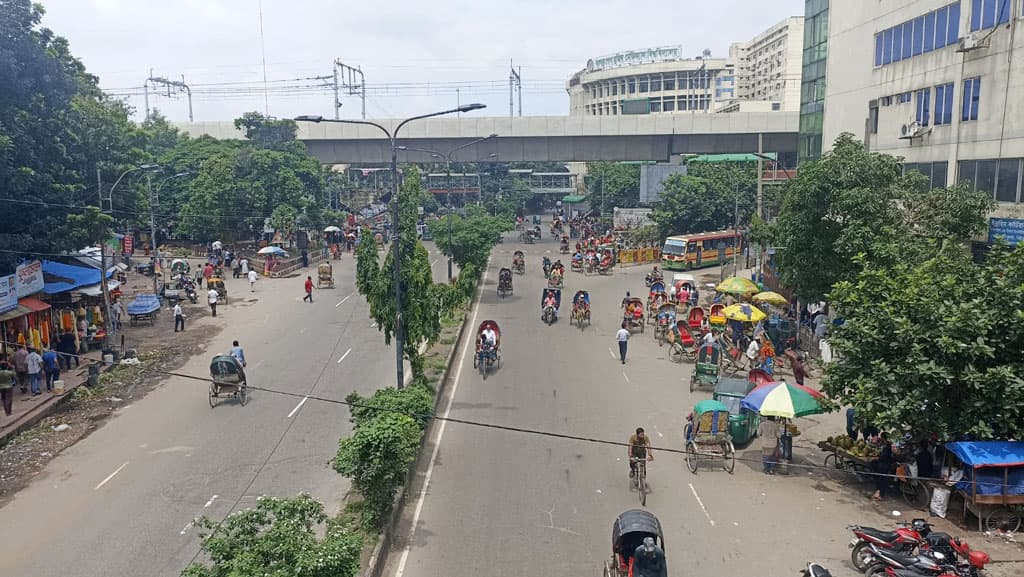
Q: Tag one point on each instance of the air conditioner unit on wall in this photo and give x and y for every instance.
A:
(972, 41)
(913, 129)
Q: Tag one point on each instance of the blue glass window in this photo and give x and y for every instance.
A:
(941, 24)
(975, 15)
(908, 37)
(972, 93)
(878, 49)
(923, 108)
(918, 35)
(929, 31)
(887, 46)
(988, 14)
(1004, 12)
(953, 30)
(897, 44)
(944, 104)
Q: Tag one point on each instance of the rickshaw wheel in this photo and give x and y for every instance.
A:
(693, 382)
(243, 394)
(213, 395)
(691, 456)
(728, 457)
(476, 357)
(1002, 519)
(675, 354)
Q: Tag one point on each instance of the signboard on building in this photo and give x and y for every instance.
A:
(1011, 229)
(29, 278)
(631, 217)
(8, 293)
(634, 57)
(129, 244)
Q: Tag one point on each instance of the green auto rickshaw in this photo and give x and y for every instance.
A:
(743, 422)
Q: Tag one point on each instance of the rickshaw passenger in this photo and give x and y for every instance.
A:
(486, 346)
(639, 448)
(549, 300)
(638, 312)
(649, 560)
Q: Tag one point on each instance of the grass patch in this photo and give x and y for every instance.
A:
(447, 341)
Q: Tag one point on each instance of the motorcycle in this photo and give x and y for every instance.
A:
(906, 539)
(547, 267)
(815, 570)
(186, 284)
(961, 561)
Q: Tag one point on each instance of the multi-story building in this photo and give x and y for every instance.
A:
(812, 79)
(768, 65)
(935, 82)
(652, 80)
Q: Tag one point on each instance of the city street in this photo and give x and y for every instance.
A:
(121, 501)
(507, 503)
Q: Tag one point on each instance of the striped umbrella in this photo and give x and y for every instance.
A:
(784, 400)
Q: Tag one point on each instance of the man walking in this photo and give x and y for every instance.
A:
(623, 337)
(51, 364)
(21, 368)
(7, 378)
(179, 317)
(309, 289)
(35, 372)
(768, 430)
(252, 280)
(68, 350)
(211, 297)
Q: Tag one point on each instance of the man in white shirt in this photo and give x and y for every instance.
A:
(252, 280)
(179, 317)
(708, 338)
(753, 351)
(211, 297)
(622, 336)
(489, 334)
(35, 371)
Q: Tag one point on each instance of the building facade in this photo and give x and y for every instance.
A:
(812, 80)
(768, 66)
(935, 82)
(650, 81)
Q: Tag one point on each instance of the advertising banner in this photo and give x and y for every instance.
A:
(8, 293)
(29, 278)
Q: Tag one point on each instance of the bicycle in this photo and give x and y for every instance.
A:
(640, 478)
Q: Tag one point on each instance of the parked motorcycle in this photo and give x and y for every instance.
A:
(815, 570)
(906, 539)
(962, 563)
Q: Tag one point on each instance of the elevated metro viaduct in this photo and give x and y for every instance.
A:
(547, 138)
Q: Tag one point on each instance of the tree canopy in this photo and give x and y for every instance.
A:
(615, 184)
(711, 196)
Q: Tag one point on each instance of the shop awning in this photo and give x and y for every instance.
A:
(62, 277)
(574, 198)
(97, 289)
(25, 306)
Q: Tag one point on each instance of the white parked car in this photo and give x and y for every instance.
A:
(678, 278)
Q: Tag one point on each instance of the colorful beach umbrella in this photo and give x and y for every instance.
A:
(784, 400)
(771, 298)
(744, 312)
(735, 285)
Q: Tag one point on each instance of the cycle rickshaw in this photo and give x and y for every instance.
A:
(628, 534)
(228, 380)
(518, 262)
(504, 282)
(487, 355)
(707, 436)
(549, 307)
(581, 309)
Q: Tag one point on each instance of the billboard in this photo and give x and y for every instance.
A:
(631, 217)
(634, 57)
(8, 293)
(29, 278)
(652, 179)
(1011, 229)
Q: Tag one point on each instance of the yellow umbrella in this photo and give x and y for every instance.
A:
(735, 285)
(744, 312)
(771, 298)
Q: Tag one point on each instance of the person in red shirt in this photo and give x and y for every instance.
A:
(309, 289)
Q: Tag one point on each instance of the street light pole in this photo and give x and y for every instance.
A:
(392, 140)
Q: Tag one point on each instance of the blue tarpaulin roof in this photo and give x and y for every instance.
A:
(989, 453)
(60, 277)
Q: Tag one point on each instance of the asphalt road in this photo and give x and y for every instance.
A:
(121, 501)
(502, 503)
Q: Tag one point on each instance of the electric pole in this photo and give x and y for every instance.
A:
(177, 85)
(349, 82)
(515, 84)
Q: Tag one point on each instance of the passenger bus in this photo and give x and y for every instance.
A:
(690, 251)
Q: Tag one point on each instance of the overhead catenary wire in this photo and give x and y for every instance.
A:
(510, 428)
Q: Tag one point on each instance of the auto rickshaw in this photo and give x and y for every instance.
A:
(325, 275)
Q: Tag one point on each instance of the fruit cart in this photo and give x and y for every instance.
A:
(847, 460)
(992, 486)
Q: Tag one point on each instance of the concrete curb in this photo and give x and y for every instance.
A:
(375, 566)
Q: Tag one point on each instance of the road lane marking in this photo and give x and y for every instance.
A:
(191, 523)
(344, 355)
(110, 476)
(610, 353)
(258, 363)
(374, 325)
(297, 407)
(701, 503)
(626, 377)
(343, 301)
(303, 330)
(266, 319)
(433, 262)
(440, 432)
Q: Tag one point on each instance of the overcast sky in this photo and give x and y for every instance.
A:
(414, 53)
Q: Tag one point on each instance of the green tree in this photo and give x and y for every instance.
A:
(280, 537)
(89, 227)
(283, 219)
(854, 202)
(711, 196)
(377, 457)
(267, 132)
(416, 401)
(615, 184)
(934, 344)
(473, 236)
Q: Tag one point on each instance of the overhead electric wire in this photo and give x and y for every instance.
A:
(512, 428)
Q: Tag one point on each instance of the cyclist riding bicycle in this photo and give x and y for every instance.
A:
(639, 449)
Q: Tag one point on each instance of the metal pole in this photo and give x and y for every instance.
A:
(337, 103)
(519, 88)
(399, 336)
(104, 287)
(448, 169)
(736, 232)
(145, 95)
(152, 229)
(511, 110)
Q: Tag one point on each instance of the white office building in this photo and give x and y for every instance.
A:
(768, 65)
(935, 82)
(650, 81)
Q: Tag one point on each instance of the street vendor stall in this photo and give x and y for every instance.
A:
(992, 485)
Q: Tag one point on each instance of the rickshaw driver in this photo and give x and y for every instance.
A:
(639, 448)
(238, 353)
(489, 339)
(549, 300)
(649, 560)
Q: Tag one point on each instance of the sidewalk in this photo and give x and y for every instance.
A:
(29, 410)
